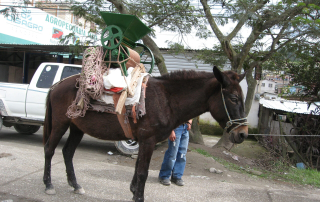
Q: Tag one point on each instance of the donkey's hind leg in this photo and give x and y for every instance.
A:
(49, 148)
(69, 148)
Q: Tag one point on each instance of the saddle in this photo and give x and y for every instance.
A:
(93, 95)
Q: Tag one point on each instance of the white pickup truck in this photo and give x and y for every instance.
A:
(23, 105)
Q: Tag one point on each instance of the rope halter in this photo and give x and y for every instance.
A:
(235, 121)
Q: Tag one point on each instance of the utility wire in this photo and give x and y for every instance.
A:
(277, 135)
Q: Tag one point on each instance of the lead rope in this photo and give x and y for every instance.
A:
(235, 121)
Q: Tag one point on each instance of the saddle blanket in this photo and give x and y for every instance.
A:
(115, 80)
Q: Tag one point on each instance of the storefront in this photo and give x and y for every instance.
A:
(34, 36)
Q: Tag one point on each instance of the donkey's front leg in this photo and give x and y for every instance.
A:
(133, 185)
(142, 165)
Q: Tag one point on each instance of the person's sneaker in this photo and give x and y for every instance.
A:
(178, 182)
(165, 182)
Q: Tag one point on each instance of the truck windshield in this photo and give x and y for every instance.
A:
(69, 71)
(47, 76)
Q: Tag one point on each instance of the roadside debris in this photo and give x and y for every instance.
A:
(213, 170)
(234, 157)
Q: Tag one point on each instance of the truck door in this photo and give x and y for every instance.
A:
(37, 92)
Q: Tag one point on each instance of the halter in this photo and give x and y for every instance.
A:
(235, 121)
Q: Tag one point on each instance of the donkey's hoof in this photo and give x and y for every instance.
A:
(50, 191)
(79, 191)
(139, 199)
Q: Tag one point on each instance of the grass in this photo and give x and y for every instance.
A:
(280, 171)
(203, 152)
(294, 175)
(227, 164)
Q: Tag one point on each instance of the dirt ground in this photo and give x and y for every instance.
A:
(199, 165)
(197, 170)
(196, 163)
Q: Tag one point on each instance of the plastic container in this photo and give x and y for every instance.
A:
(300, 166)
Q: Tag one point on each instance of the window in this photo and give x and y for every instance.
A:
(47, 76)
(69, 71)
(270, 85)
(263, 85)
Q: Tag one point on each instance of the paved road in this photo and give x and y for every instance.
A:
(21, 170)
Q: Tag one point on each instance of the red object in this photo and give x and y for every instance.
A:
(57, 35)
(115, 89)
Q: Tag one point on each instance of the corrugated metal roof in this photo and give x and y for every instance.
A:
(287, 105)
(183, 62)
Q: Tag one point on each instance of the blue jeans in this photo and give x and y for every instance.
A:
(174, 161)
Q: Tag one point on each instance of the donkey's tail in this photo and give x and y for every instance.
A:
(47, 126)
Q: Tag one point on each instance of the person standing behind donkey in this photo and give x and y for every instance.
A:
(174, 161)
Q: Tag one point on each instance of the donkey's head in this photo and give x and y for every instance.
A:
(227, 106)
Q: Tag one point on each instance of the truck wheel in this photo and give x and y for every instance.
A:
(26, 129)
(127, 147)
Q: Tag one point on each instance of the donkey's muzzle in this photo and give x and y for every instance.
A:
(239, 135)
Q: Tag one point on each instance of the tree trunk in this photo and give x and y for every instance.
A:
(195, 135)
(224, 142)
(251, 90)
(159, 60)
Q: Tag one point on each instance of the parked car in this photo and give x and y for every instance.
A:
(23, 105)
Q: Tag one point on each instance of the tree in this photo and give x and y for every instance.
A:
(305, 69)
(269, 27)
(169, 15)
(280, 23)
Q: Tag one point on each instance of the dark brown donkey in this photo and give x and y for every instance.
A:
(170, 101)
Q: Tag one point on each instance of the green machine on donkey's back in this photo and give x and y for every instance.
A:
(120, 37)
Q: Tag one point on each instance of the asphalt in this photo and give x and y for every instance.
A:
(21, 172)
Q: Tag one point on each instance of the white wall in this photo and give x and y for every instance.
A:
(266, 87)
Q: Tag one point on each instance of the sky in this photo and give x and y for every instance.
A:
(189, 41)
(192, 41)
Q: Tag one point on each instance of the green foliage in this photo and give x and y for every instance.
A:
(176, 48)
(253, 130)
(305, 69)
(169, 15)
(210, 129)
(215, 129)
(214, 56)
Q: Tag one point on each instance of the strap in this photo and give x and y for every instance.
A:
(123, 118)
(234, 121)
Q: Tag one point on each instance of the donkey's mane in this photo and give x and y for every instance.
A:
(186, 75)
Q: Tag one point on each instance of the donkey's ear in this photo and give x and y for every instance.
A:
(241, 76)
(221, 77)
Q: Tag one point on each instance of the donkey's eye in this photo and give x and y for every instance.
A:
(234, 99)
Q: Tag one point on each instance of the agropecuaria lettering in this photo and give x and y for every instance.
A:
(58, 22)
